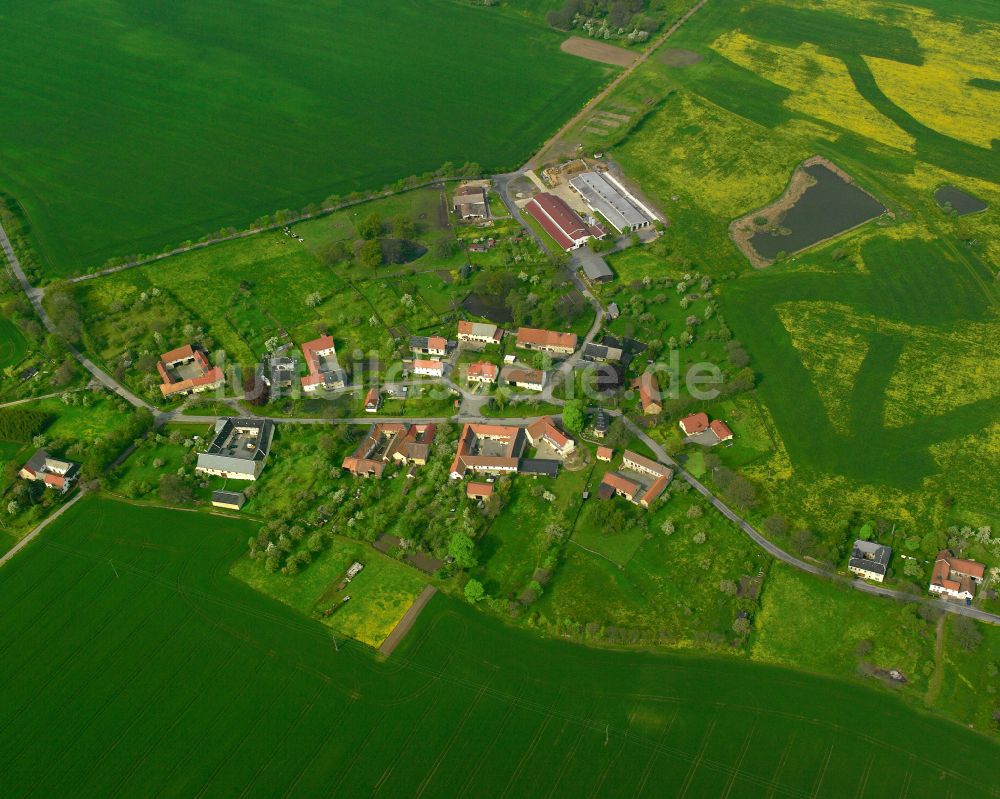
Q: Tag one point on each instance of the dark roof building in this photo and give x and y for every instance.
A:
(870, 560)
(593, 265)
(239, 449)
(539, 466)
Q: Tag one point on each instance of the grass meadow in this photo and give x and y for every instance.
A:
(13, 346)
(189, 117)
(133, 658)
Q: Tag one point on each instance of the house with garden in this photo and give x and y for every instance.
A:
(324, 370)
(955, 578)
(51, 472)
(390, 442)
(870, 561)
(239, 449)
(186, 370)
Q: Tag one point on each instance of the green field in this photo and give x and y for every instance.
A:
(188, 117)
(13, 345)
(173, 674)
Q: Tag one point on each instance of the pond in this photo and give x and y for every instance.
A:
(952, 198)
(830, 206)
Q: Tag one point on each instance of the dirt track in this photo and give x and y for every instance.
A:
(598, 51)
(400, 630)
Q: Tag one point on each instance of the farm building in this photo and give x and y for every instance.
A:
(321, 361)
(390, 443)
(529, 338)
(601, 353)
(52, 472)
(594, 267)
(605, 454)
(231, 500)
(955, 577)
(373, 400)
(481, 332)
(532, 379)
(470, 202)
(561, 222)
(186, 370)
(239, 449)
(490, 448)
(606, 196)
(869, 560)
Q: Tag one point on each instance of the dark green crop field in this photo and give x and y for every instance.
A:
(129, 127)
(133, 664)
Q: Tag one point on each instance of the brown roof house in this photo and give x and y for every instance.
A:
(645, 480)
(649, 393)
(955, 577)
(186, 370)
(53, 472)
(543, 432)
(390, 443)
(479, 490)
(482, 372)
(699, 430)
(373, 400)
(321, 361)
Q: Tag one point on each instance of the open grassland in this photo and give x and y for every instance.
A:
(177, 675)
(13, 346)
(189, 117)
(379, 595)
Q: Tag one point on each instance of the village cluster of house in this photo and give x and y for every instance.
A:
(951, 576)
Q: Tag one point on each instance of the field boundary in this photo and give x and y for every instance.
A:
(409, 618)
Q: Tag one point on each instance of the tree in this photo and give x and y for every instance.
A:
(474, 591)
(967, 634)
(572, 416)
(803, 542)
(403, 227)
(912, 568)
(775, 526)
(668, 527)
(173, 489)
(370, 254)
(334, 253)
(313, 298)
(445, 247)
(462, 549)
(370, 227)
(255, 391)
(741, 626)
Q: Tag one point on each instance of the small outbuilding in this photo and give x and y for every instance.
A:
(230, 500)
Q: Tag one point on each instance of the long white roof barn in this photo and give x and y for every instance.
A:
(609, 201)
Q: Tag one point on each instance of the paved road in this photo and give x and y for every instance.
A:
(35, 296)
(41, 526)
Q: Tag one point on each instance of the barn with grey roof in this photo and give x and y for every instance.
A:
(606, 198)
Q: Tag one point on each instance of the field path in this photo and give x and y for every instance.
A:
(934, 685)
(539, 157)
(400, 630)
(37, 530)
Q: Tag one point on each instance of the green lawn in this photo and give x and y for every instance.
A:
(189, 117)
(13, 345)
(379, 595)
(218, 689)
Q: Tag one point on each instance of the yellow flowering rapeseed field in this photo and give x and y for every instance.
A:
(821, 86)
